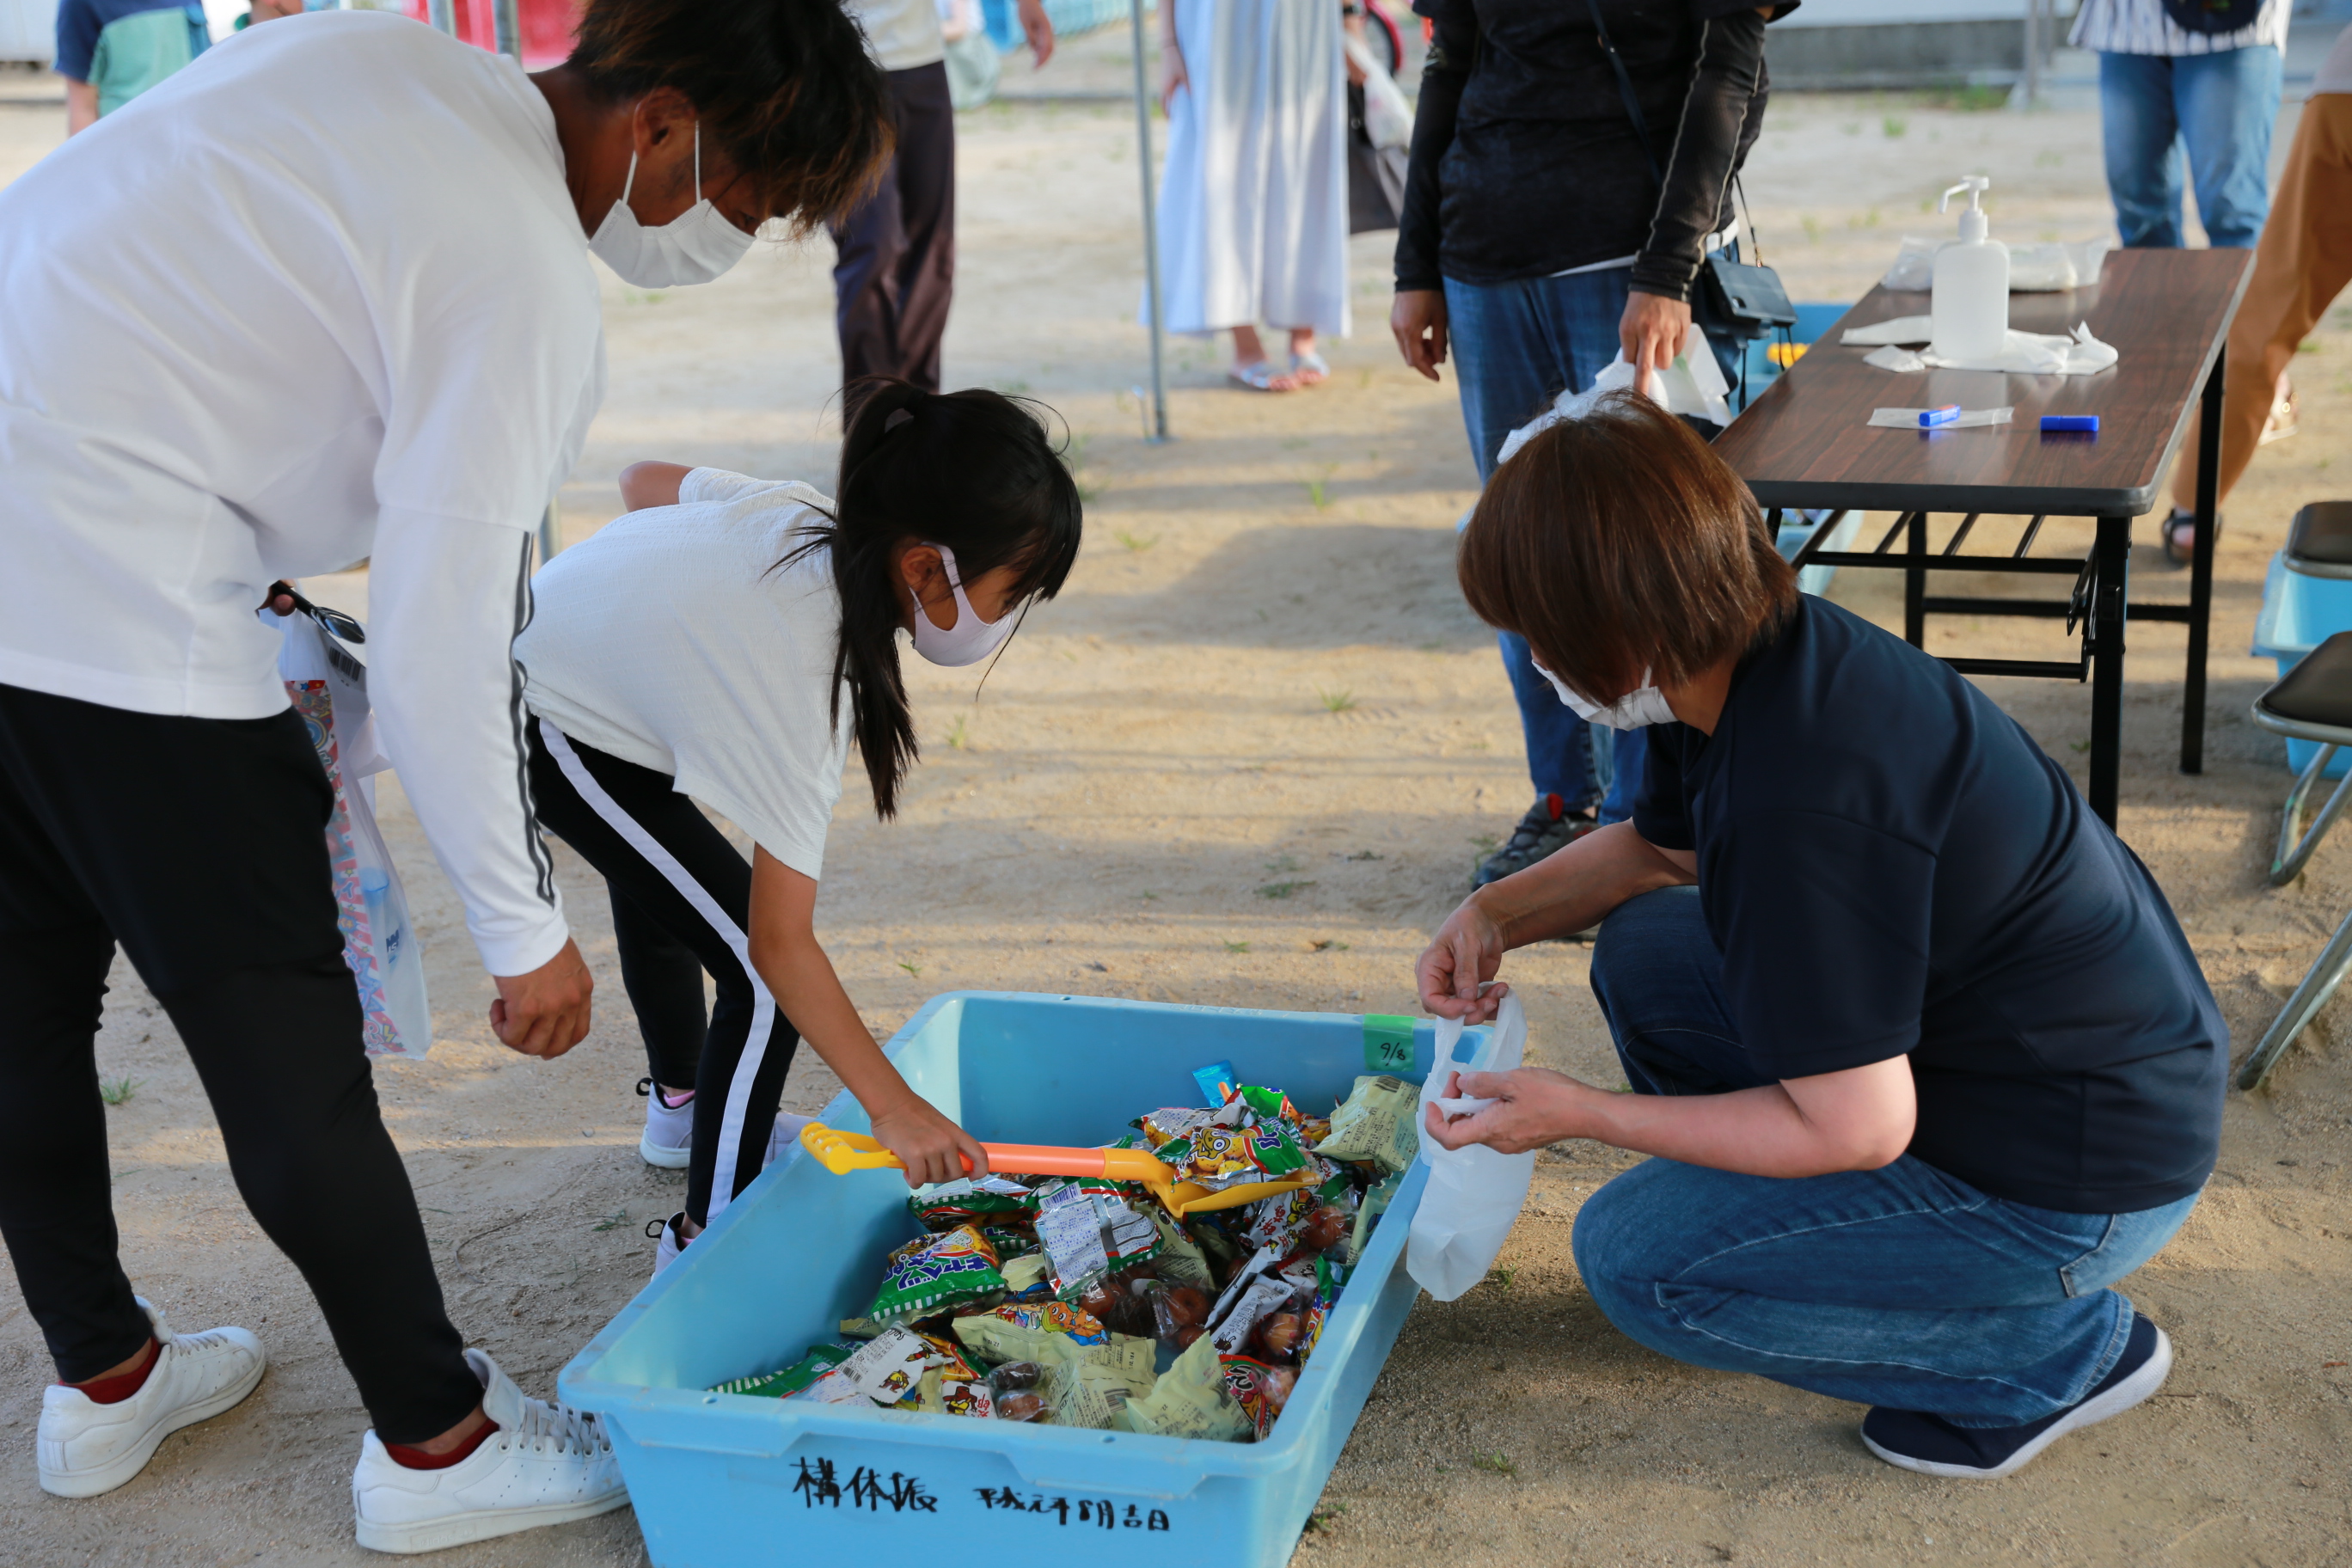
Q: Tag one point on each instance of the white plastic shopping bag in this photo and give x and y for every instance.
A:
(328, 688)
(1474, 1196)
(1388, 113)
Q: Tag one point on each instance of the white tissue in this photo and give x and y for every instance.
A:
(1892, 358)
(1462, 1104)
(1896, 330)
(2026, 353)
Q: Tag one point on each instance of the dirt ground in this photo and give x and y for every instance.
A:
(1249, 758)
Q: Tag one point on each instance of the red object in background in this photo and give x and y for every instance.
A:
(547, 27)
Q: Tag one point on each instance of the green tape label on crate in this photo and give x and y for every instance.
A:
(1387, 1043)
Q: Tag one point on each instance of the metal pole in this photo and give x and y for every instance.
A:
(1151, 221)
(2032, 53)
(505, 20)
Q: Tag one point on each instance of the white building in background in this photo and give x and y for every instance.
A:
(1909, 43)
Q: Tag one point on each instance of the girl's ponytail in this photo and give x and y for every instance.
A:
(970, 470)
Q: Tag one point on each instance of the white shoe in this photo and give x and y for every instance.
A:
(786, 1136)
(545, 1465)
(85, 1448)
(668, 1140)
(672, 1242)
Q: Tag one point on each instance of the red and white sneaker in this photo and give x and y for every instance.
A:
(85, 1448)
(545, 1464)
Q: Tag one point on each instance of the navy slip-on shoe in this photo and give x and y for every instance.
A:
(1934, 1446)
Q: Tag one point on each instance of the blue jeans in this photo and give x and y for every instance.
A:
(1902, 1287)
(2222, 107)
(1515, 347)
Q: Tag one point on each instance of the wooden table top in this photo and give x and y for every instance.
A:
(1807, 442)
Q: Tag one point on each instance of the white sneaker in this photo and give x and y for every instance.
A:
(85, 1448)
(672, 1242)
(545, 1465)
(786, 1136)
(668, 1140)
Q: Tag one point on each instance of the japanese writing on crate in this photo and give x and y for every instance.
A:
(1100, 1512)
(819, 1485)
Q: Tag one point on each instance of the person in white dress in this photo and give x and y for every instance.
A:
(1254, 199)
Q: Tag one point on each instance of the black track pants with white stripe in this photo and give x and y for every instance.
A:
(682, 882)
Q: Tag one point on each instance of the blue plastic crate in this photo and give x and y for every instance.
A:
(721, 1480)
(2299, 613)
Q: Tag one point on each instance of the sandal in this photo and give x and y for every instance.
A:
(1260, 376)
(2180, 533)
(2284, 419)
(1309, 368)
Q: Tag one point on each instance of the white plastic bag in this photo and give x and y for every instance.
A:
(1693, 384)
(2044, 268)
(1473, 1194)
(1387, 115)
(328, 688)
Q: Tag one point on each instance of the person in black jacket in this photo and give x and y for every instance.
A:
(1537, 241)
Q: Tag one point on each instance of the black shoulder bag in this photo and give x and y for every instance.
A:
(1736, 298)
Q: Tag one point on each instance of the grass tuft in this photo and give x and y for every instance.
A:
(1336, 699)
(1498, 1462)
(1283, 889)
(119, 1091)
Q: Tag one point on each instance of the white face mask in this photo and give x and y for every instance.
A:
(971, 640)
(695, 247)
(1643, 706)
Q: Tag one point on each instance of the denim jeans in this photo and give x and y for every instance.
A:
(1515, 347)
(2222, 107)
(1902, 1287)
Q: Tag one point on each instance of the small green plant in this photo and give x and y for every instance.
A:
(1336, 699)
(119, 1091)
(1329, 944)
(1282, 863)
(1368, 855)
(1497, 1462)
(1501, 1277)
(1318, 490)
(617, 1217)
(914, 969)
(1236, 947)
(1137, 543)
(960, 733)
(1282, 890)
(1893, 126)
(642, 296)
(1323, 1517)
(1811, 226)
(2082, 746)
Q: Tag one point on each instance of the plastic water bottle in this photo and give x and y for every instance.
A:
(397, 961)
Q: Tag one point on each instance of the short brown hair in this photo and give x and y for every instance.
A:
(1618, 541)
(785, 89)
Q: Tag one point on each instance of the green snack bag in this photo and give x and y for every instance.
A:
(1277, 1153)
(1181, 1261)
(936, 1274)
(1270, 1103)
(1088, 1385)
(820, 1360)
(1375, 1122)
(1189, 1400)
(1368, 1212)
(973, 1200)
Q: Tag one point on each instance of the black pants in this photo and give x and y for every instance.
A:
(896, 268)
(199, 845)
(681, 905)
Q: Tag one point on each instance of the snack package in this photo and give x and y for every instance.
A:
(1216, 1081)
(1268, 1293)
(1180, 1259)
(1368, 1214)
(1010, 1242)
(1190, 1400)
(1012, 1391)
(1260, 1390)
(953, 1363)
(1180, 1314)
(1088, 1385)
(1027, 1334)
(783, 1385)
(1277, 1222)
(884, 1371)
(942, 1392)
(1265, 1259)
(935, 1273)
(861, 1327)
(1119, 1300)
(973, 1200)
(1279, 1336)
(1376, 1123)
(1027, 1278)
(1270, 1103)
(1087, 1230)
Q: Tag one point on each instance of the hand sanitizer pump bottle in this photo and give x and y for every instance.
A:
(1971, 314)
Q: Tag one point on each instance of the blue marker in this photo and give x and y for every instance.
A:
(1944, 415)
(2084, 422)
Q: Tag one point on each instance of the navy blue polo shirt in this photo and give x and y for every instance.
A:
(1890, 866)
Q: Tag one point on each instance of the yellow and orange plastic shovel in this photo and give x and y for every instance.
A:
(841, 1153)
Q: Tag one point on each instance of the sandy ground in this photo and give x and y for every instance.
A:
(1249, 758)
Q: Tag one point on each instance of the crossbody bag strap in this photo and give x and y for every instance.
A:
(1625, 85)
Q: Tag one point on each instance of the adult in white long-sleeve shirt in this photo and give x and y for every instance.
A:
(323, 297)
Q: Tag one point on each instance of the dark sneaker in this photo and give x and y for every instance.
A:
(1934, 1446)
(1548, 825)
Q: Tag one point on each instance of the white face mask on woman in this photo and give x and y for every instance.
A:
(695, 247)
(971, 640)
(1643, 706)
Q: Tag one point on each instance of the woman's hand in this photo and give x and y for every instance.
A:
(1417, 320)
(932, 1148)
(1038, 28)
(1533, 1107)
(1653, 329)
(1452, 970)
(1171, 71)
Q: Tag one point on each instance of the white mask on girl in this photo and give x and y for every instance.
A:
(971, 640)
(1643, 706)
(695, 247)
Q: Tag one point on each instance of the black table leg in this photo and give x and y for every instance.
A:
(1915, 584)
(2200, 568)
(2111, 560)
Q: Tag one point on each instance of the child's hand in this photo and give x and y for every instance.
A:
(651, 484)
(932, 1148)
